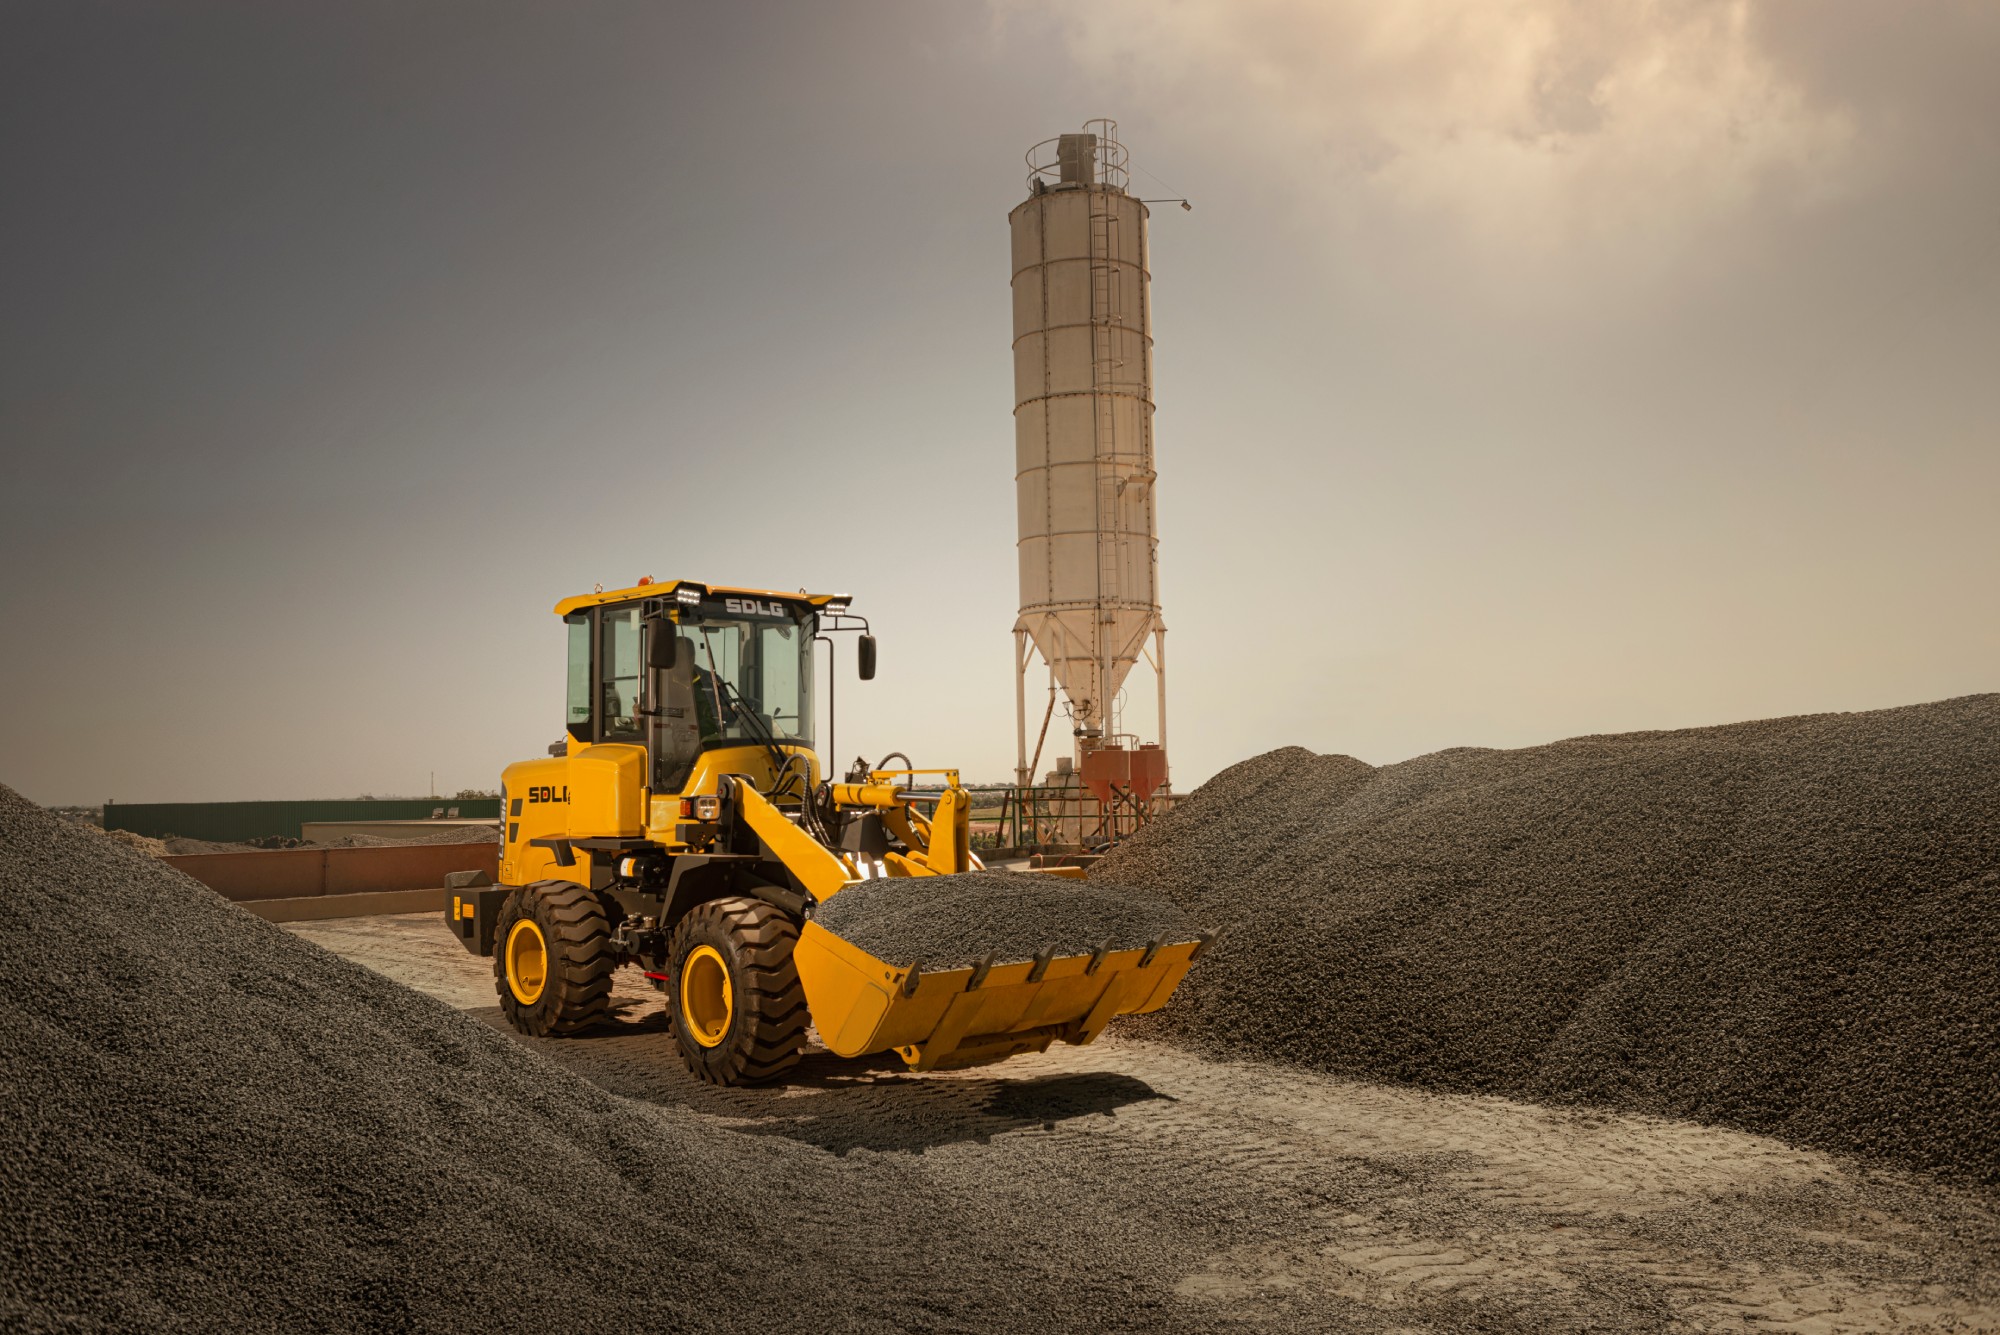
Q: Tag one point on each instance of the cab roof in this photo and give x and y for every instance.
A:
(664, 588)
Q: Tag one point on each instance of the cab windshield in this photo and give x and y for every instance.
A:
(744, 680)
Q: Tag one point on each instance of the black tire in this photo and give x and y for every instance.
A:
(759, 1031)
(574, 991)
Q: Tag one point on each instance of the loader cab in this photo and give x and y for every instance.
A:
(685, 677)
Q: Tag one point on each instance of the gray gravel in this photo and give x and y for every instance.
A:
(1790, 926)
(208, 1124)
(180, 846)
(949, 922)
(450, 834)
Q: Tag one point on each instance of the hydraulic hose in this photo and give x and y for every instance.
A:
(908, 763)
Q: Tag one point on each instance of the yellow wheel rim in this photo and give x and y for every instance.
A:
(705, 1001)
(527, 962)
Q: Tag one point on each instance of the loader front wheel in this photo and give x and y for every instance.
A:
(552, 959)
(739, 1010)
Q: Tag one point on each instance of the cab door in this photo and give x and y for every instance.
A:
(608, 777)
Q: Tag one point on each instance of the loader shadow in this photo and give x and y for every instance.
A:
(892, 1113)
(839, 1104)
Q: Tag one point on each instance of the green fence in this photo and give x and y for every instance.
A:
(235, 822)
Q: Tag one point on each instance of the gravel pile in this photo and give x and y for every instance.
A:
(949, 922)
(139, 842)
(450, 834)
(177, 845)
(1791, 926)
(209, 1124)
(464, 834)
(180, 846)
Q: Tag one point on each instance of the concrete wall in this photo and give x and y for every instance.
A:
(298, 873)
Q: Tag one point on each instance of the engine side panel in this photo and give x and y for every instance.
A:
(594, 792)
(607, 797)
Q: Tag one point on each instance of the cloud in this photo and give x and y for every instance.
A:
(1532, 130)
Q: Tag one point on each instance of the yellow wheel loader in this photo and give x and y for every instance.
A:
(684, 827)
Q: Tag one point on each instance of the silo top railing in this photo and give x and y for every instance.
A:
(1110, 167)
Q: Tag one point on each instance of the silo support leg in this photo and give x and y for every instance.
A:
(1160, 677)
(1020, 708)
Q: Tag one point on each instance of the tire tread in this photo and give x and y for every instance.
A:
(577, 995)
(761, 937)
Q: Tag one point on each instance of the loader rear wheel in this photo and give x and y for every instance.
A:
(739, 1011)
(552, 959)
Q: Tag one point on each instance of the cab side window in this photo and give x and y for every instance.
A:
(619, 663)
(578, 719)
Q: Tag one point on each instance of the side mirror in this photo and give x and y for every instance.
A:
(867, 658)
(661, 641)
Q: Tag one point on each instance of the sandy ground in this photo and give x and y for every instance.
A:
(1408, 1211)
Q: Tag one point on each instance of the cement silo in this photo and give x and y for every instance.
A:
(1083, 435)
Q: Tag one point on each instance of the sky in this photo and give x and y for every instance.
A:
(1523, 370)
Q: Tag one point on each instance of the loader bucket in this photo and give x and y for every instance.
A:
(968, 1016)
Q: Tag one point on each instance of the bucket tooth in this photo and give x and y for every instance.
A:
(1041, 964)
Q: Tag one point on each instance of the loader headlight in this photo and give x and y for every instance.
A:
(839, 603)
(687, 595)
(701, 808)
